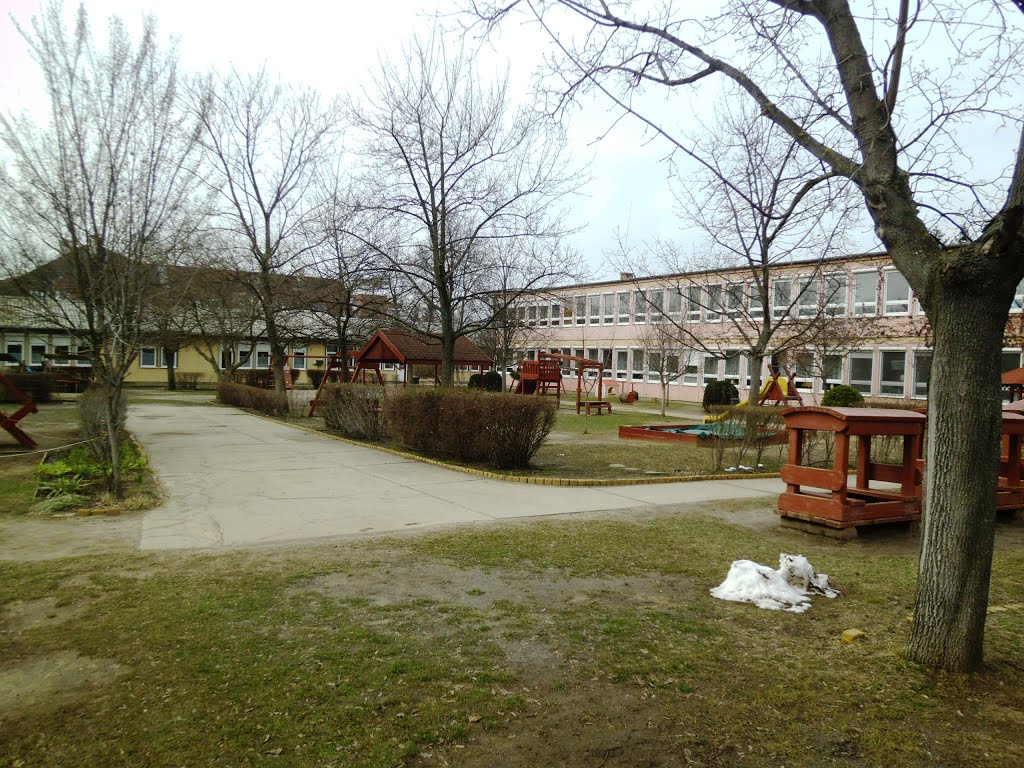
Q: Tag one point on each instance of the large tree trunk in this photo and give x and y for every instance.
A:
(448, 360)
(111, 395)
(756, 363)
(964, 426)
(172, 382)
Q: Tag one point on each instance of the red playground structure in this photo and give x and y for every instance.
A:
(10, 423)
(543, 376)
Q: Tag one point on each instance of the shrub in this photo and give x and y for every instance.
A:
(502, 430)
(842, 396)
(492, 382)
(354, 410)
(38, 387)
(517, 429)
(720, 393)
(266, 401)
(316, 375)
(476, 381)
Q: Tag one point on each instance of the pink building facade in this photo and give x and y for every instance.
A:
(851, 320)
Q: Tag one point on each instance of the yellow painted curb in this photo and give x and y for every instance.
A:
(522, 479)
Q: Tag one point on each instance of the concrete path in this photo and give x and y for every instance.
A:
(232, 479)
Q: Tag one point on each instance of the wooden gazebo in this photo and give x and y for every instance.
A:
(404, 349)
(1013, 384)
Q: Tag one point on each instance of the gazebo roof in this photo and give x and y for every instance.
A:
(1016, 376)
(394, 346)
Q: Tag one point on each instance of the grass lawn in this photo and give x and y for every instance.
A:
(557, 643)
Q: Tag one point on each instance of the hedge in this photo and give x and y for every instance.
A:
(471, 426)
(266, 401)
(354, 410)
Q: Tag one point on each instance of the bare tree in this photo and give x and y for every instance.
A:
(666, 351)
(97, 201)
(464, 192)
(346, 299)
(887, 98)
(267, 142)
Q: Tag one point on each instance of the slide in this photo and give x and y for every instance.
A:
(765, 389)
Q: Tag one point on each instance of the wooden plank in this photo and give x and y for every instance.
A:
(811, 505)
(885, 473)
(829, 479)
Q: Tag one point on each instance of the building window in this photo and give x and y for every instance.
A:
(299, 358)
(61, 347)
(656, 299)
(581, 310)
(262, 355)
(710, 369)
(807, 301)
(734, 299)
(531, 315)
(609, 308)
(693, 304)
(37, 351)
(922, 373)
(861, 371)
(714, 303)
(147, 357)
(781, 298)
(690, 361)
(556, 311)
(15, 350)
(675, 305)
(732, 367)
(897, 293)
(623, 308)
(835, 294)
(894, 374)
(245, 357)
(654, 367)
(756, 304)
(1010, 361)
(672, 368)
(865, 293)
(621, 364)
(803, 370)
(168, 359)
(638, 365)
(831, 371)
(639, 307)
(594, 302)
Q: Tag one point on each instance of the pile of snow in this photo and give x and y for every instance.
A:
(787, 589)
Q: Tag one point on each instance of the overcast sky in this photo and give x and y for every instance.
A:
(334, 47)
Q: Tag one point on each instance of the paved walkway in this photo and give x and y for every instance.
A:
(232, 479)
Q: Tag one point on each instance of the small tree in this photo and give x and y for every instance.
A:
(97, 201)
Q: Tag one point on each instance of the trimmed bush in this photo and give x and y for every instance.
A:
(720, 393)
(502, 430)
(38, 387)
(316, 375)
(842, 396)
(354, 410)
(492, 382)
(266, 401)
(476, 381)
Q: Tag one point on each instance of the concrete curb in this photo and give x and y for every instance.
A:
(557, 481)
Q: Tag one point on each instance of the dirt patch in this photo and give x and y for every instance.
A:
(26, 539)
(404, 582)
(23, 615)
(46, 682)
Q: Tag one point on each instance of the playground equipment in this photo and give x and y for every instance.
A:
(776, 390)
(10, 423)
(824, 496)
(543, 376)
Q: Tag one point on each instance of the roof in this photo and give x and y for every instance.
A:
(394, 346)
(1016, 376)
